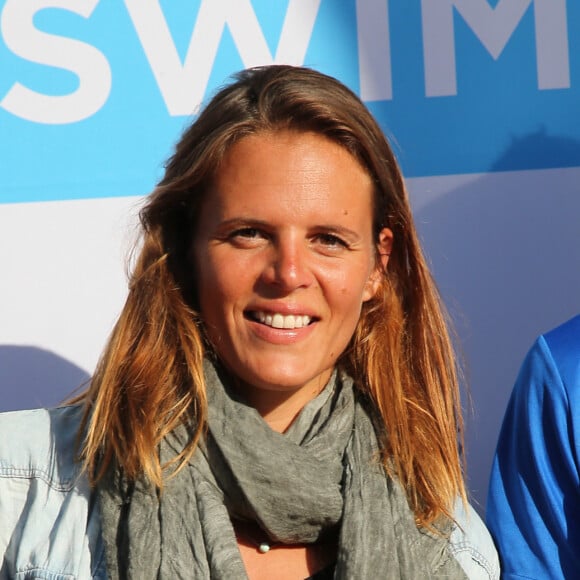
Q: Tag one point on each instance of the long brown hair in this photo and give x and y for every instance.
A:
(150, 378)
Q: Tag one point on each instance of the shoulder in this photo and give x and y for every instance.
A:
(550, 373)
(562, 345)
(50, 519)
(535, 473)
(40, 443)
(541, 419)
(471, 544)
(565, 337)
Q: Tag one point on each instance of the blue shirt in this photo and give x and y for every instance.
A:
(49, 518)
(533, 509)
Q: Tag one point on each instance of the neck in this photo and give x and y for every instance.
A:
(280, 408)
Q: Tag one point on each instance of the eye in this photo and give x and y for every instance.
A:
(331, 241)
(247, 237)
(247, 233)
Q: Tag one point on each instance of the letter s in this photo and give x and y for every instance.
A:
(84, 60)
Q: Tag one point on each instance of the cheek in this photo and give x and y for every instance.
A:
(210, 291)
(353, 284)
(346, 303)
(223, 287)
(213, 273)
(213, 309)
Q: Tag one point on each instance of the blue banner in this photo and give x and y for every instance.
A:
(93, 93)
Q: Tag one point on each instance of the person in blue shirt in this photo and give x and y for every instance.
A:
(533, 509)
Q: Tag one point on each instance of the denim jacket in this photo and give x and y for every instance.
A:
(49, 519)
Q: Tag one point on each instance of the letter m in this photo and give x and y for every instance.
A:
(493, 27)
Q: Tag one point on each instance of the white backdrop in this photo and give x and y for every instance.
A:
(484, 116)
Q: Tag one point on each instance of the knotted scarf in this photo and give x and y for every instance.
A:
(323, 474)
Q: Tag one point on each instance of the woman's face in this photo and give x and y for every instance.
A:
(285, 258)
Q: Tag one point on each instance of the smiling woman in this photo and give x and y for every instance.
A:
(285, 258)
(279, 397)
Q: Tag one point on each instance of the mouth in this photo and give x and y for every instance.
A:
(277, 320)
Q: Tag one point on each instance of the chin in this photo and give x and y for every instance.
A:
(278, 381)
(287, 379)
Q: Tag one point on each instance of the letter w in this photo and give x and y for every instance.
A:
(183, 85)
(493, 27)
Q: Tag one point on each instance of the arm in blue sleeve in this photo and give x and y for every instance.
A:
(533, 508)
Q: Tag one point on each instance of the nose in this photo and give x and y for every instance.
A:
(289, 267)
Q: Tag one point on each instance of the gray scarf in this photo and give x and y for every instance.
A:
(321, 475)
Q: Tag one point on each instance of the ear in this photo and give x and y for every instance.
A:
(384, 246)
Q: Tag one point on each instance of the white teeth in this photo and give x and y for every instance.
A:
(280, 321)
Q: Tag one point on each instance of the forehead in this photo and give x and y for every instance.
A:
(292, 169)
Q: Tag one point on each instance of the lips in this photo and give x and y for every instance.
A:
(285, 321)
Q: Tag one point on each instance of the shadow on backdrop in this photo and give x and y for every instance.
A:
(505, 251)
(32, 377)
(538, 149)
